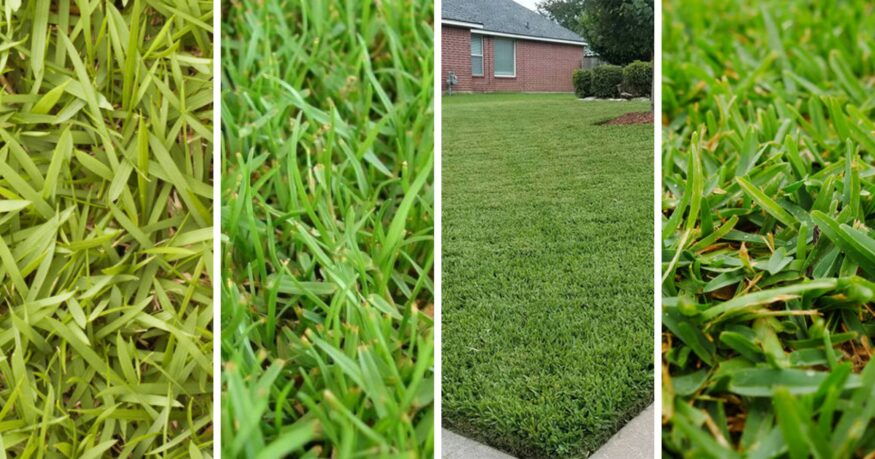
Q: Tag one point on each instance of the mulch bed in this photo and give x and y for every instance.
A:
(631, 118)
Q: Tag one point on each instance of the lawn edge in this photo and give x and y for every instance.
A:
(506, 443)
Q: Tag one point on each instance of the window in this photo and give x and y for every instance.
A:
(477, 55)
(505, 57)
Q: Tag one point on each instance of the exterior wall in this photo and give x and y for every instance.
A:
(540, 66)
(456, 57)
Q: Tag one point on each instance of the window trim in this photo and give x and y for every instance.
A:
(482, 59)
(496, 75)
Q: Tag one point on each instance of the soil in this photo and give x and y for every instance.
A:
(631, 118)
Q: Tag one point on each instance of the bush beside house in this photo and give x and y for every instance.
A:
(583, 82)
(638, 78)
(608, 81)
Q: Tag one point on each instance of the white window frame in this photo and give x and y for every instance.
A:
(496, 75)
(482, 58)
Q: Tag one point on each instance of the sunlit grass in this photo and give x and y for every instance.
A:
(105, 244)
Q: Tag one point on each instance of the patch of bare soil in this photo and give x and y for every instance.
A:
(631, 118)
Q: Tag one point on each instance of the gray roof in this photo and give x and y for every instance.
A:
(506, 16)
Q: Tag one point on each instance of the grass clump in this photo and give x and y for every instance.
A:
(105, 238)
(327, 225)
(547, 319)
(768, 247)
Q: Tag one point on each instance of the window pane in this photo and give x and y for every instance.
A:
(476, 45)
(504, 58)
(477, 65)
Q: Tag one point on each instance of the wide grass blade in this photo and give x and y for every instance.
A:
(775, 306)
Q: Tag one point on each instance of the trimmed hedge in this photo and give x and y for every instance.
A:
(605, 79)
(638, 78)
(583, 82)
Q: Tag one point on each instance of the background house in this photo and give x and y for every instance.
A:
(500, 45)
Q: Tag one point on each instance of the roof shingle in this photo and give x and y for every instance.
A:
(506, 16)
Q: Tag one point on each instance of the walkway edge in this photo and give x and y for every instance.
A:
(633, 441)
(455, 446)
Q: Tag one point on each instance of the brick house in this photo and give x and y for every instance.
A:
(500, 45)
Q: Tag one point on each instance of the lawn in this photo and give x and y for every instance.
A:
(547, 309)
(767, 237)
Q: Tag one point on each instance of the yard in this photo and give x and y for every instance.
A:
(547, 309)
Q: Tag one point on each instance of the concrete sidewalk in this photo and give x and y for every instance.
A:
(633, 441)
(454, 446)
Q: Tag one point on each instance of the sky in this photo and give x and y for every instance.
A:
(530, 4)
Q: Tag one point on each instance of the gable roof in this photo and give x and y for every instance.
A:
(506, 17)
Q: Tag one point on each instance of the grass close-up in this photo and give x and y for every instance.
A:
(768, 247)
(547, 301)
(105, 239)
(327, 227)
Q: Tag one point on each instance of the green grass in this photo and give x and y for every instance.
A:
(105, 239)
(327, 224)
(768, 247)
(547, 306)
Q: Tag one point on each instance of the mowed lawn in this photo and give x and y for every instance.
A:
(547, 312)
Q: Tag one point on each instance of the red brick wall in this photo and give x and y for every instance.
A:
(456, 57)
(540, 66)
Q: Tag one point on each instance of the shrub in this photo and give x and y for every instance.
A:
(583, 82)
(638, 78)
(605, 79)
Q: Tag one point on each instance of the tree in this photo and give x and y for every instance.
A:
(620, 31)
(565, 12)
